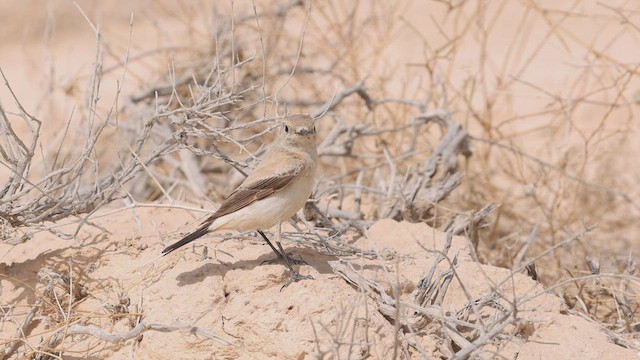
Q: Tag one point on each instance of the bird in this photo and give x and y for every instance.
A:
(272, 193)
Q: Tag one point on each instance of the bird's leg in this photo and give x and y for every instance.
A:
(270, 244)
(280, 255)
(294, 275)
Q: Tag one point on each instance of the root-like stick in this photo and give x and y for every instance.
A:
(484, 339)
(116, 338)
(11, 347)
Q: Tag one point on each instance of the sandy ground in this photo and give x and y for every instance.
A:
(227, 293)
(232, 295)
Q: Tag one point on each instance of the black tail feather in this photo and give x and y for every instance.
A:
(187, 239)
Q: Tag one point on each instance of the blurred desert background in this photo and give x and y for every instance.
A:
(477, 193)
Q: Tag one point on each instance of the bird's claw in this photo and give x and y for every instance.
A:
(295, 276)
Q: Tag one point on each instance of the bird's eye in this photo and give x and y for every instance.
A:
(286, 129)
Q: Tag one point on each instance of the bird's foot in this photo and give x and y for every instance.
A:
(295, 276)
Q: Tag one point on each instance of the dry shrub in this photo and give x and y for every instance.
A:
(393, 147)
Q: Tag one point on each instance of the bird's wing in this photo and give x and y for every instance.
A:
(246, 195)
(256, 188)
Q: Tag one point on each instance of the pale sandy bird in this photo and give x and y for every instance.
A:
(275, 190)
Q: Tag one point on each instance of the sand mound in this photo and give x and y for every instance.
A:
(228, 304)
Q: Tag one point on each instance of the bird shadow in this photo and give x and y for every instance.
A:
(319, 262)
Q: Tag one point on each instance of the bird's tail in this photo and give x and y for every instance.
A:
(202, 230)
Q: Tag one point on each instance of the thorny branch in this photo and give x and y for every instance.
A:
(76, 183)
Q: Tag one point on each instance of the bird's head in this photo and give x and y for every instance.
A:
(298, 131)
